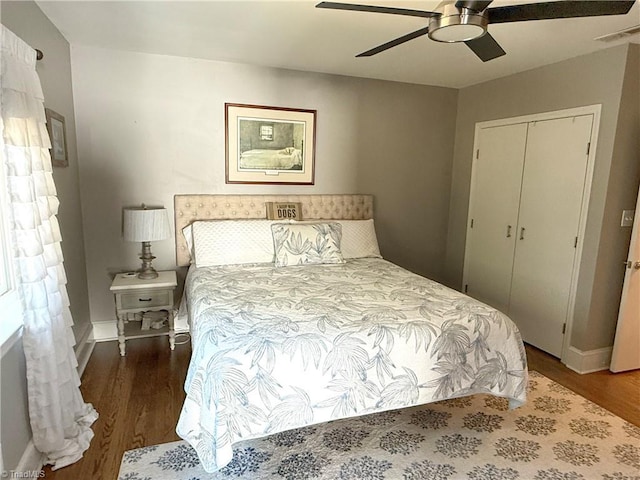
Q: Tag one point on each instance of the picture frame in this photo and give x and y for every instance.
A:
(269, 145)
(58, 135)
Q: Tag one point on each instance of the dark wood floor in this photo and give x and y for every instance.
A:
(139, 398)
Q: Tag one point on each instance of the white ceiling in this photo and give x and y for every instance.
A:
(296, 35)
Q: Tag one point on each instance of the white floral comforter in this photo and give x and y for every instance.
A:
(279, 348)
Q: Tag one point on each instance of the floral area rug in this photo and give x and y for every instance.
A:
(557, 435)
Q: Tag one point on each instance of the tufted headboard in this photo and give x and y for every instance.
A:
(189, 208)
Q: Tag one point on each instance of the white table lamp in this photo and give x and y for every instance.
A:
(146, 225)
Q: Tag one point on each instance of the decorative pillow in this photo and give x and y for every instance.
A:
(306, 243)
(358, 238)
(225, 242)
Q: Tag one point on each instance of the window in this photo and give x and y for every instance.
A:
(5, 272)
(10, 306)
(266, 132)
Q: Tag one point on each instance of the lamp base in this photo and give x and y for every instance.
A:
(146, 271)
(147, 274)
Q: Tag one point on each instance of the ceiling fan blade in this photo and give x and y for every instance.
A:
(374, 9)
(485, 47)
(394, 43)
(561, 9)
(475, 5)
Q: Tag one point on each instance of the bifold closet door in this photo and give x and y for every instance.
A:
(495, 196)
(550, 206)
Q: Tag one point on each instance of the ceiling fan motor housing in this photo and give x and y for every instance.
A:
(457, 24)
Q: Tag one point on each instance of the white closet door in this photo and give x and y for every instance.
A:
(495, 195)
(550, 207)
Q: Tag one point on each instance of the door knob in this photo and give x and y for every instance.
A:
(636, 265)
(630, 264)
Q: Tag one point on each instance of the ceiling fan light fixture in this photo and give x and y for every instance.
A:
(457, 25)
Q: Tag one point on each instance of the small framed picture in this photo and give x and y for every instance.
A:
(58, 136)
(273, 145)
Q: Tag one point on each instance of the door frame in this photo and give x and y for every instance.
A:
(594, 110)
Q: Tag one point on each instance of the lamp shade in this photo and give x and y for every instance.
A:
(145, 224)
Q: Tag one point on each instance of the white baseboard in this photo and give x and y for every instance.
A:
(84, 348)
(31, 461)
(105, 331)
(588, 361)
(83, 355)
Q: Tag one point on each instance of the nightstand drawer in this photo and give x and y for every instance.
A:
(145, 299)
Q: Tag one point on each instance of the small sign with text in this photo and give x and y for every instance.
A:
(284, 211)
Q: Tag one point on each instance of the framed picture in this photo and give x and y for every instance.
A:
(58, 136)
(271, 145)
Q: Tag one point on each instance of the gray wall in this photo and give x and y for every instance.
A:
(27, 21)
(591, 79)
(622, 192)
(404, 148)
(14, 414)
(151, 126)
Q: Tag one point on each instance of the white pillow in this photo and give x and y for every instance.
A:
(359, 239)
(187, 233)
(305, 244)
(226, 242)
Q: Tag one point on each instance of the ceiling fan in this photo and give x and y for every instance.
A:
(467, 21)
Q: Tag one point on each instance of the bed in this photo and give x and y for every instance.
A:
(325, 328)
(263, 159)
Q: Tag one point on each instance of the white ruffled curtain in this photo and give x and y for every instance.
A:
(60, 420)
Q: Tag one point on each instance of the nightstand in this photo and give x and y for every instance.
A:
(134, 295)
